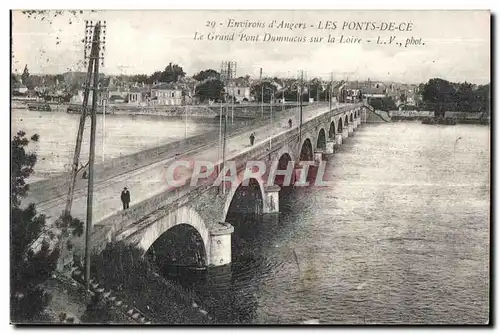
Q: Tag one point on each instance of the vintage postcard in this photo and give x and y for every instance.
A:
(250, 167)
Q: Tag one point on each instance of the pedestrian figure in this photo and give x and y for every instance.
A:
(125, 198)
(252, 139)
(290, 122)
(84, 175)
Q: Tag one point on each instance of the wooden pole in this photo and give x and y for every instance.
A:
(300, 101)
(76, 157)
(220, 142)
(331, 89)
(93, 125)
(103, 126)
(224, 150)
(271, 120)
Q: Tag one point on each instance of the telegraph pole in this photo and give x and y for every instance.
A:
(232, 93)
(331, 90)
(95, 57)
(300, 99)
(103, 126)
(224, 150)
(220, 140)
(90, 195)
(271, 120)
(261, 95)
(283, 101)
(185, 122)
(317, 93)
(308, 89)
(92, 47)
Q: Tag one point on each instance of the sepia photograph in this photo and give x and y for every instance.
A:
(250, 167)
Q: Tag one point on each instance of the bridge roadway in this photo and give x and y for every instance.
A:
(149, 181)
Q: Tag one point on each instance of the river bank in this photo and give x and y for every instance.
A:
(205, 111)
(422, 118)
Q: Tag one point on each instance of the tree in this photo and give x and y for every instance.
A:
(155, 77)
(28, 269)
(140, 78)
(438, 91)
(464, 97)
(316, 89)
(27, 299)
(13, 79)
(207, 74)
(403, 98)
(25, 77)
(210, 89)
(172, 73)
(268, 89)
(482, 96)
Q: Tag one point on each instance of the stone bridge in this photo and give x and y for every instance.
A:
(204, 207)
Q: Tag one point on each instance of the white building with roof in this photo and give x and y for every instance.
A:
(167, 94)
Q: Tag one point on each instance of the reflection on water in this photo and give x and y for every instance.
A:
(401, 236)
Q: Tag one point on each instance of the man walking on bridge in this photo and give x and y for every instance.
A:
(125, 198)
(252, 139)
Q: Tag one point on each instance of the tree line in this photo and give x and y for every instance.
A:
(439, 94)
(209, 86)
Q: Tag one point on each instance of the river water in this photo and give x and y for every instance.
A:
(400, 236)
(123, 135)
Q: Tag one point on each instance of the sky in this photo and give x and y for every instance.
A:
(456, 44)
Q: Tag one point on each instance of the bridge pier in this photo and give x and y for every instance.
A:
(350, 128)
(272, 199)
(330, 146)
(345, 133)
(355, 124)
(318, 156)
(220, 245)
(338, 139)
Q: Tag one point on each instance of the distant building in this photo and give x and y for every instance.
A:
(115, 93)
(138, 95)
(19, 89)
(79, 96)
(349, 92)
(373, 89)
(240, 89)
(167, 94)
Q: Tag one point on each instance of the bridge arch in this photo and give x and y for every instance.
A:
(351, 117)
(321, 141)
(181, 217)
(252, 193)
(306, 150)
(346, 120)
(285, 150)
(340, 127)
(283, 162)
(244, 209)
(332, 132)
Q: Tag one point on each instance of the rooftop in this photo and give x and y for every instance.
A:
(167, 86)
